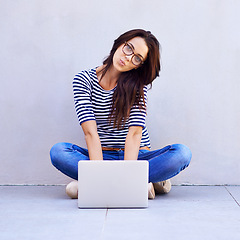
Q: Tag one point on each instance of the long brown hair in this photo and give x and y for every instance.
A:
(129, 90)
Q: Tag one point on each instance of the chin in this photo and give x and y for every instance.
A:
(118, 67)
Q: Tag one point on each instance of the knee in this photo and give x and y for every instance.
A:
(184, 154)
(55, 153)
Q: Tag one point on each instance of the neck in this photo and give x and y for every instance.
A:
(112, 74)
(109, 80)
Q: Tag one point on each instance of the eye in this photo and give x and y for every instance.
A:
(128, 48)
(137, 59)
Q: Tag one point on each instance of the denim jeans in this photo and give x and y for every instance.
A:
(164, 163)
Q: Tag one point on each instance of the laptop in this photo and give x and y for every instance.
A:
(113, 184)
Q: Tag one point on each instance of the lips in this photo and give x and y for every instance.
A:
(122, 62)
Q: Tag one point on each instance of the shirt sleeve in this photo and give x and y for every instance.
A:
(138, 115)
(82, 97)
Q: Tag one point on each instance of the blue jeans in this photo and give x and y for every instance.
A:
(164, 163)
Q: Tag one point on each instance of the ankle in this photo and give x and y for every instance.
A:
(151, 191)
(163, 186)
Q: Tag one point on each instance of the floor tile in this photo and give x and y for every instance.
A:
(185, 213)
(186, 220)
(198, 193)
(46, 213)
(235, 193)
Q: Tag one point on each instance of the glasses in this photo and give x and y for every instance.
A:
(128, 50)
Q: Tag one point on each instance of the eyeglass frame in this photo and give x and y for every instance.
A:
(133, 54)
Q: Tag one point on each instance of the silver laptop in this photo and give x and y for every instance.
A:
(113, 184)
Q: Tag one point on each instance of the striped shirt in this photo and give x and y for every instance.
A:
(92, 102)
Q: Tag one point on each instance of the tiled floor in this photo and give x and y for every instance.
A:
(187, 212)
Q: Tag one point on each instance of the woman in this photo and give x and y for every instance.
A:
(110, 102)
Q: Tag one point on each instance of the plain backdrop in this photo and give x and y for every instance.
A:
(195, 101)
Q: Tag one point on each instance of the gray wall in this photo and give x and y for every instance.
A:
(44, 43)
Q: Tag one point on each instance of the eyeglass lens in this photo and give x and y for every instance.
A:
(127, 49)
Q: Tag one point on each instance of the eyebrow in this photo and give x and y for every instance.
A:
(134, 49)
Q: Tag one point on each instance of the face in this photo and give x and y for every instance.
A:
(130, 54)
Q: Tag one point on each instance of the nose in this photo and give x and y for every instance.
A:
(128, 58)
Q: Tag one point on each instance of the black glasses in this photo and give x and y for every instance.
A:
(128, 50)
